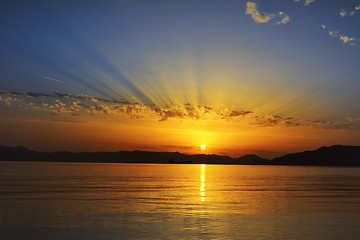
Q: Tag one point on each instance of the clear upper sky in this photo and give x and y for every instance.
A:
(262, 77)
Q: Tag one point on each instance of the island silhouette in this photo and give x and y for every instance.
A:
(337, 155)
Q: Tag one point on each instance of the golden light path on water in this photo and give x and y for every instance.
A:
(202, 180)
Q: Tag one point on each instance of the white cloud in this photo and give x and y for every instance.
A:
(343, 13)
(341, 37)
(306, 3)
(284, 20)
(346, 39)
(259, 17)
(52, 79)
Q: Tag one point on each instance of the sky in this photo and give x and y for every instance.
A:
(241, 77)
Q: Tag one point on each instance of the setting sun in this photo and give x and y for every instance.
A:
(203, 147)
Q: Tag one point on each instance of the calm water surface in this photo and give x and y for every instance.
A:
(154, 201)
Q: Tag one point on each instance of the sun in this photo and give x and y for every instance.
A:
(203, 147)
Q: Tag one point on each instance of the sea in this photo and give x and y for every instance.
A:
(43, 200)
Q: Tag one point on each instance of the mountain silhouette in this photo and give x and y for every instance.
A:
(337, 155)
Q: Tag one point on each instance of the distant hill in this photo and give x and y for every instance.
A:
(337, 155)
(23, 154)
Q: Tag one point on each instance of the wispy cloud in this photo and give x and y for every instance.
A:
(41, 120)
(261, 17)
(342, 37)
(306, 2)
(75, 105)
(270, 120)
(344, 13)
(284, 18)
(8, 100)
(62, 96)
(63, 103)
(52, 79)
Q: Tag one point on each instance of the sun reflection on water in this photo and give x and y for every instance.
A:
(202, 186)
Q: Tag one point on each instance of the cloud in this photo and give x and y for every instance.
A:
(306, 2)
(63, 103)
(182, 147)
(61, 121)
(52, 79)
(271, 120)
(344, 13)
(345, 39)
(261, 17)
(285, 18)
(59, 107)
(239, 113)
(8, 100)
(63, 96)
(75, 105)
